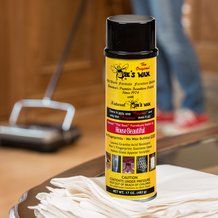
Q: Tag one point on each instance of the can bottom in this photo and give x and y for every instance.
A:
(139, 199)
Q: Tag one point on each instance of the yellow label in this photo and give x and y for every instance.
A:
(130, 128)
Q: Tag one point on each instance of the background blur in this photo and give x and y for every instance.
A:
(32, 35)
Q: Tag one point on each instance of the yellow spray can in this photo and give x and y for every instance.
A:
(130, 114)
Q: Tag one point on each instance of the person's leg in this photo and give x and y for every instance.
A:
(179, 51)
(164, 83)
(164, 90)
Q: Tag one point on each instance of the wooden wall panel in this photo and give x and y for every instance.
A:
(204, 32)
(18, 50)
(33, 34)
(209, 21)
(4, 58)
(52, 29)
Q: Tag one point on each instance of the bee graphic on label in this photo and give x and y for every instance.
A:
(119, 70)
(134, 104)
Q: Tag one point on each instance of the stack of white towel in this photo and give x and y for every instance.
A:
(181, 193)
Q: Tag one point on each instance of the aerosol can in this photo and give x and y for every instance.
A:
(130, 114)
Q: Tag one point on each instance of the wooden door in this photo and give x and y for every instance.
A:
(32, 36)
(203, 27)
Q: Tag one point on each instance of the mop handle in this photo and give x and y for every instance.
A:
(59, 68)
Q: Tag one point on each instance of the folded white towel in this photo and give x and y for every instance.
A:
(181, 193)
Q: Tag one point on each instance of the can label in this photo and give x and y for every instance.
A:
(130, 127)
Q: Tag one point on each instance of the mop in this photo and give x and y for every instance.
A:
(45, 137)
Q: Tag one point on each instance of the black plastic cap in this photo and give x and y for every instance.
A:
(130, 34)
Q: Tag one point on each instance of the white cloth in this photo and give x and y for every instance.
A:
(181, 192)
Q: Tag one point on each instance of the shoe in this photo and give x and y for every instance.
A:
(186, 121)
(164, 116)
(186, 118)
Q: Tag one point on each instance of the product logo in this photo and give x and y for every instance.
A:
(120, 71)
(143, 70)
(134, 104)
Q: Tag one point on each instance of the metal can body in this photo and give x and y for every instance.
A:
(130, 122)
(130, 139)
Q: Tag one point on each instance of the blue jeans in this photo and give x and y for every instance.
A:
(176, 57)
